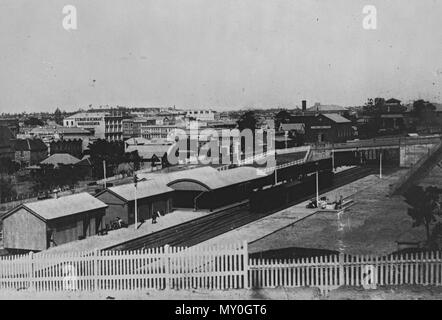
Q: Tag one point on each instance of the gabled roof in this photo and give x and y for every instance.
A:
(292, 126)
(30, 145)
(393, 100)
(62, 207)
(336, 118)
(60, 158)
(145, 189)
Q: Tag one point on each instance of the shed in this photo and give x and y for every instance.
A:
(152, 196)
(42, 224)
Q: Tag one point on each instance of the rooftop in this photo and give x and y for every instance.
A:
(206, 178)
(64, 206)
(324, 108)
(60, 158)
(145, 189)
(337, 118)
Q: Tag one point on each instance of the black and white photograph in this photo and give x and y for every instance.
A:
(221, 150)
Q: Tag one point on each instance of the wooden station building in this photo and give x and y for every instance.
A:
(42, 224)
(152, 196)
(208, 188)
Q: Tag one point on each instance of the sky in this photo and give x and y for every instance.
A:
(221, 54)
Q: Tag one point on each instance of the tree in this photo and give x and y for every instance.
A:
(8, 166)
(424, 206)
(102, 150)
(114, 155)
(424, 111)
(282, 116)
(33, 122)
(6, 187)
(58, 117)
(247, 121)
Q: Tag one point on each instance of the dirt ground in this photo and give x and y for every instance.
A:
(373, 225)
(343, 293)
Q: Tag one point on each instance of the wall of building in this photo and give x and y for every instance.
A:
(75, 227)
(147, 206)
(22, 230)
(116, 208)
(410, 154)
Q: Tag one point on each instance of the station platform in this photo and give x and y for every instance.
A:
(115, 237)
(259, 229)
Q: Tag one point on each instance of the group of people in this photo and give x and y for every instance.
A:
(119, 223)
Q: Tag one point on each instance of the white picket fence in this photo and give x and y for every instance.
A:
(330, 272)
(221, 267)
(213, 268)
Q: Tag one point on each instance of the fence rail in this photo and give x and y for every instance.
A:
(223, 267)
(213, 268)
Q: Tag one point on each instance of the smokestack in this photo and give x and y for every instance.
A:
(304, 105)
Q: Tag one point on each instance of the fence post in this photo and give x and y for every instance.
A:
(341, 270)
(245, 254)
(97, 272)
(167, 266)
(31, 272)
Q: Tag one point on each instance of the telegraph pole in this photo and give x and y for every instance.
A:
(104, 170)
(136, 204)
(317, 185)
(380, 164)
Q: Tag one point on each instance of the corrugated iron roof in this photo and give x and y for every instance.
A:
(63, 206)
(292, 126)
(336, 118)
(60, 158)
(145, 189)
(209, 177)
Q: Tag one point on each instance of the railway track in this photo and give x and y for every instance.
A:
(204, 228)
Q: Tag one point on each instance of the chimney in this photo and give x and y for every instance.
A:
(304, 105)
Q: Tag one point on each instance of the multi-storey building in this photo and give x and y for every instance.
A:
(202, 115)
(105, 125)
(158, 131)
(30, 151)
(132, 127)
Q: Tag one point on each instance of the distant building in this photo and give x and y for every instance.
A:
(148, 149)
(325, 109)
(55, 132)
(30, 151)
(72, 147)
(132, 127)
(43, 224)
(152, 196)
(12, 124)
(158, 131)
(60, 159)
(105, 125)
(201, 115)
(6, 143)
(323, 128)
